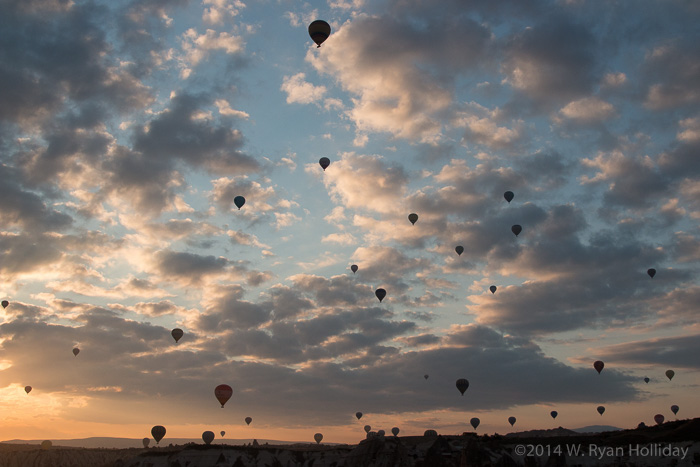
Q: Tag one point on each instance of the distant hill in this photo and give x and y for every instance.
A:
(126, 443)
(597, 429)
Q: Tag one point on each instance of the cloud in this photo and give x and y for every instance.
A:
(672, 352)
(588, 110)
(301, 92)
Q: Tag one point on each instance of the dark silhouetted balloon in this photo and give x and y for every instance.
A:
(358, 415)
(367, 428)
(239, 201)
(674, 409)
(598, 365)
(516, 229)
(658, 418)
(511, 420)
(462, 385)
(395, 431)
(319, 31)
(353, 268)
(600, 409)
(459, 249)
(474, 422)
(46, 445)
(430, 434)
(158, 432)
(380, 293)
(248, 420)
(223, 433)
(646, 380)
(554, 413)
(324, 162)
(413, 217)
(4, 303)
(177, 334)
(670, 374)
(651, 272)
(27, 389)
(508, 195)
(493, 289)
(223, 393)
(318, 437)
(146, 442)
(208, 437)
(76, 351)
(426, 376)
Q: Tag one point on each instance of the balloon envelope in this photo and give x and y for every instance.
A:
(669, 374)
(462, 385)
(516, 229)
(5, 303)
(319, 31)
(27, 389)
(554, 413)
(76, 351)
(248, 420)
(367, 428)
(600, 409)
(508, 195)
(146, 442)
(598, 365)
(353, 268)
(658, 418)
(646, 380)
(413, 217)
(223, 393)
(318, 437)
(459, 249)
(380, 293)
(177, 334)
(208, 437)
(46, 445)
(223, 433)
(474, 422)
(426, 376)
(395, 431)
(511, 420)
(324, 162)
(430, 434)
(358, 415)
(674, 409)
(651, 272)
(158, 432)
(239, 201)
(493, 289)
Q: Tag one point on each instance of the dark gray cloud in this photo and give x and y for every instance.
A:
(669, 352)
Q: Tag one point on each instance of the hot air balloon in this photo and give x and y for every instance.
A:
(27, 389)
(651, 272)
(674, 409)
(177, 334)
(430, 434)
(380, 293)
(318, 437)
(367, 428)
(4, 303)
(426, 376)
(646, 380)
(600, 409)
(223, 433)
(669, 374)
(319, 31)
(146, 442)
(239, 201)
(324, 162)
(511, 420)
(381, 433)
(46, 445)
(353, 268)
(358, 415)
(223, 392)
(413, 217)
(598, 365)
(475, 422)
(158, 432)
(76, 351)
(248, 420)
(208, 437)
(462, 385)
(459, 249)
(492, 289)
(508, 195)
(395, 431)
(554, 413)
(516, 229)
(658, 418)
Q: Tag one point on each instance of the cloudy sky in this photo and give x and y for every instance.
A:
(127, 129)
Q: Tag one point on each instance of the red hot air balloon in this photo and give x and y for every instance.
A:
(158, 432)
(658, 418)
(380, 293)
(511, 420)
(324, 162)
(319, 31)
(598, 365)
(223, 393)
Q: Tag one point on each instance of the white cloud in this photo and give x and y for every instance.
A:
(301, 92)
